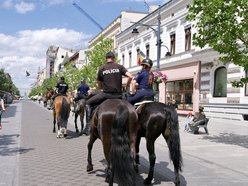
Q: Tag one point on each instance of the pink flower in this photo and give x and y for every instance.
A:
(159, 77)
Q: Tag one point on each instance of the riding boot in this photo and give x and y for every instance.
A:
(86, 131)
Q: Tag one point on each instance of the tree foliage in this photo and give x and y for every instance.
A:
(6, 83)
(97, 59)
(223, 26)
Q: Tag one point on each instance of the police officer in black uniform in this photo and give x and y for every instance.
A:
(62, 88)
(109, 79)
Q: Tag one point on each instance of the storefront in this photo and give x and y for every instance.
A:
(182, 86)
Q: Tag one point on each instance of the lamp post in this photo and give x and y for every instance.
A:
(158, 44)
(157, 32)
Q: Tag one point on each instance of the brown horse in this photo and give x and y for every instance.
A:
(156, 118)
(61, 113)
(115, 123)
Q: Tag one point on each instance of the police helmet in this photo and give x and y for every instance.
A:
(147, 62)
(110, 55)
(62, 78)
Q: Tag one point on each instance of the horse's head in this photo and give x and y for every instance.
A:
(49, 93)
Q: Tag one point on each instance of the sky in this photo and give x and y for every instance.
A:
(29, 27)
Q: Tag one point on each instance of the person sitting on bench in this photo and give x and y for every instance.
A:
(200, 119)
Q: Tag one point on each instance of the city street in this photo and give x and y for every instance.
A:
(30, 154)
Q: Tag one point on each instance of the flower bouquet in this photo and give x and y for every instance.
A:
(159, 77)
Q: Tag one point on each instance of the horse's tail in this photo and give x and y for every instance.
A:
(120, 154)
(64, 113)
(174, 139)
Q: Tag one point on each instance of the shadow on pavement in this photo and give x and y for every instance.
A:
(229, 138)
(5, 145)
(72, 134)
(10, 111)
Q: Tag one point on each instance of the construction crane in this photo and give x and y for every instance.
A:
(87, 15)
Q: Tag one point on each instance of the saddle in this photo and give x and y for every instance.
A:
(140, 104)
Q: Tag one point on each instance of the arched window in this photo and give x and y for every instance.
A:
(220, 82)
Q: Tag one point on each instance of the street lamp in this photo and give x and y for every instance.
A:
(159, 42)
(157, 32)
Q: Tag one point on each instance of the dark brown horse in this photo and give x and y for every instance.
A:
(61, 113)
(156, 118)
(80, 110)
(115, 123)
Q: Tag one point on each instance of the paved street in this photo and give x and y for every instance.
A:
(30, 154)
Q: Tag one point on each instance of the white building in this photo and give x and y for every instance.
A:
(115, 27)
(50, 59)
(195, 76)
(62, 56)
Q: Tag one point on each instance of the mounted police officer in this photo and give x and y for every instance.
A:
(109, 79)
(145, 79)
(62, 88)
(82, 93)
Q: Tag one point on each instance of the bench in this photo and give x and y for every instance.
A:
(199, 124)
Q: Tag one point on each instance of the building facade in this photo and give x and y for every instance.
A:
(195, 76)
(115, 27)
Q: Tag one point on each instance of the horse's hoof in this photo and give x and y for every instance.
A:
(89, 168)
(147, 181)
(77, 131)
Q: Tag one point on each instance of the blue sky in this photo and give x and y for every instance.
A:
(29, 27)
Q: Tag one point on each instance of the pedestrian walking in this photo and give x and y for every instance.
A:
(2, 109)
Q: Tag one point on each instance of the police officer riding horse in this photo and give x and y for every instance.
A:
(109, 79)
(144, 79)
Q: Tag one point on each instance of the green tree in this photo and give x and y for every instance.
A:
(96, 59)
(6, 83)
(223, 26)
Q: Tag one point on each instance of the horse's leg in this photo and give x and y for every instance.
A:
(152, 159)
(90, 146)
(137, 144)
(110, 174)
(82, 120)
(75, 121)
(54, 121)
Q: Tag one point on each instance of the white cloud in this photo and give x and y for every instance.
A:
(27, 51)
(7, 4)
(23, 7)
(56, 2)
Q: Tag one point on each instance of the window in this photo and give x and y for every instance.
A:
(123, 59)
(173, 43)
(220, 82)
(188, 39)
(182, 92)
(138, 54)
(147, 51)
(130, 58)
